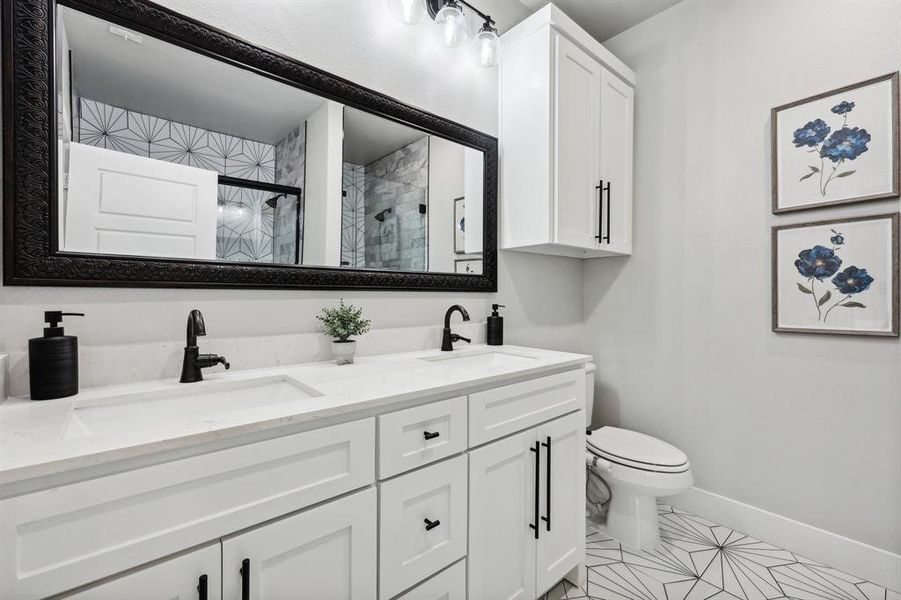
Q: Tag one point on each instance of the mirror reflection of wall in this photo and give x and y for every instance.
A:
(399, 188)
(168, 153)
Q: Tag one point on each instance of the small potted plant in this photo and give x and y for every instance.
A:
(341, 323)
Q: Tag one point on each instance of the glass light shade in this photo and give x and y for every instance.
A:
(485, 49)
(450, 28)
(408, 12)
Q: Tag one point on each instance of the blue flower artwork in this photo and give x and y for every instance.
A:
(837, 146)
(820, 263)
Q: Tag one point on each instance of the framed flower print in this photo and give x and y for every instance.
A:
(838, 276)
(838, 147)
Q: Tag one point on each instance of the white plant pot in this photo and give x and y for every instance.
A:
(344, 351)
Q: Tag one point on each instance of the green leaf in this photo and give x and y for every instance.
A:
(846, 173)
(808, 176)
(853, 305)
(804, 289)
(825, 298)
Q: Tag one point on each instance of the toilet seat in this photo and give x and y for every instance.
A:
(636, 450)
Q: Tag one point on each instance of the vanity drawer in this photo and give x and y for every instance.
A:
(446, 585)
(420, 435)
(423, 524)
(504, 410)
(55, 540)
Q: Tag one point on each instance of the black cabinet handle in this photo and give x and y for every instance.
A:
(245, 579)
(202, 587)
(430, 525)
(609, 202)
(600, 188)
(430, 435)
(536, 449)
(547, 499)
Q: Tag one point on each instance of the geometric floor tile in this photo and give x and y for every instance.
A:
(700, 560)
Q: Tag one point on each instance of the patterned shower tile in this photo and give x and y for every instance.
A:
(700, 560)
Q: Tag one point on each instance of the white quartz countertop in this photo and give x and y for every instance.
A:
(45, 438)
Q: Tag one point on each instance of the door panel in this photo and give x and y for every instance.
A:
(562, 489)
(326, 552)
(617, 103)
(577, 143)
(501, 507)
(174, 579)
(120, 203)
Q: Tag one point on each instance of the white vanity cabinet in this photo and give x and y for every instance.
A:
(537, 478)
(566, 128)
(478, 495)
(195, 575)
(326, 552)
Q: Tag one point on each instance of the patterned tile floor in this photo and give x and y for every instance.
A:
(700, 560)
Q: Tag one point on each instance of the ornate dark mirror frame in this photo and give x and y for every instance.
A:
(31, 256)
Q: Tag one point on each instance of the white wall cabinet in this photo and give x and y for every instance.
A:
(566, 127)
(326, 552)
(526, 510)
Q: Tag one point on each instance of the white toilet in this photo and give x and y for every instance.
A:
(639, 469)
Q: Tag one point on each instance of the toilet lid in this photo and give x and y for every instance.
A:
(637, 450)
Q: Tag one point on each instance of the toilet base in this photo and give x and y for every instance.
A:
(632, 519)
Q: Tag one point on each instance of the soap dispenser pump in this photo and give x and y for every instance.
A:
(53, 360)
(496, 326)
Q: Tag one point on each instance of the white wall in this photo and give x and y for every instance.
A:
(543, 293)
(808, 427)
(445, 185)
(324, 180)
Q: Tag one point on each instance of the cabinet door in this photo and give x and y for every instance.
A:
(617, 105)
(577, 145)
(326, 552)
(562, 499)
(422, 523)
(502, 502)
(191, 576)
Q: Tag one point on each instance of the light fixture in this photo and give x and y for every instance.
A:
(408, 12)
(450, 28)
(486, 46)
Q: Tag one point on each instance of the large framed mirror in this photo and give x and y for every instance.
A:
(144, 148)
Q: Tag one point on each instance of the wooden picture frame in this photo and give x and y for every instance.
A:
(817, 268)
(837, 153)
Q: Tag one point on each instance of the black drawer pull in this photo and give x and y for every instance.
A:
(202, 585)
(537, 450)
(609, 202)
(430, 435)
(430, 525)
(600, 187)
(245, 579)
(547, 497)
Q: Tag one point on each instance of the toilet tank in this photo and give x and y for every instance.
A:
(590, 368)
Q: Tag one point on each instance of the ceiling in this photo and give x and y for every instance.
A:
(368, 137)
(206, 93)
(603, 19)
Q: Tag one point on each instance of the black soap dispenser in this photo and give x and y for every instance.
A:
(53, 360)
(496, 326)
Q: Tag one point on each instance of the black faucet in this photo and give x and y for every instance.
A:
(195, 361)
(449, 338)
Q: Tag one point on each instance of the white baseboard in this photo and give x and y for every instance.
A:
(876, 565)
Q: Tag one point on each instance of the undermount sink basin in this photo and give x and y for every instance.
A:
(184, 407)
(479, 358)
